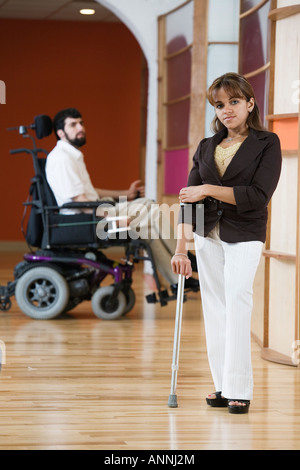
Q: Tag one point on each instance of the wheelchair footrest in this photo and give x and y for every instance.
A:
(163, 298)
(5, 293)
(186, 289)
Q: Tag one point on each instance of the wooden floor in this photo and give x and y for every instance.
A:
(83, 383)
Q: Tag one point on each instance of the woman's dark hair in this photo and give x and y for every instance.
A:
(61, 116)
(236, 86)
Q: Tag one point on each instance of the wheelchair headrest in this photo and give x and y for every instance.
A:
(42, 126)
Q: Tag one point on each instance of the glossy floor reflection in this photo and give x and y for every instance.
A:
(78, 382)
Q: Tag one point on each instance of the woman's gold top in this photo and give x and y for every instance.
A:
(224, 156)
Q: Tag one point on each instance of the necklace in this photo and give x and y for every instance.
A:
(230, 139)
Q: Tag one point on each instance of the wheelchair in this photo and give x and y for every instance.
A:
(66, 264)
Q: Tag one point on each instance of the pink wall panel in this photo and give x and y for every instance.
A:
(176, 170)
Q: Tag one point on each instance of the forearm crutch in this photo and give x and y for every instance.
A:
(172, 403)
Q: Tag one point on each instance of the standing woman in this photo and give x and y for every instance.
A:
(234, 173)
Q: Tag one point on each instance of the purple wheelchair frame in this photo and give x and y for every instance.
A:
(120, 272)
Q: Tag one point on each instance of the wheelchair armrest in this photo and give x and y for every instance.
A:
(38, 205)
(85, 204)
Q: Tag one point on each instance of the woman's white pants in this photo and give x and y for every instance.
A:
(226, 275)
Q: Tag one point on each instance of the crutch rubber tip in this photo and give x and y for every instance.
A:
(172, 402)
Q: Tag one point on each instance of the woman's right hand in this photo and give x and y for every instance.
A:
(181, 264)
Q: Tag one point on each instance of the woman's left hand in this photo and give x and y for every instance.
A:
(192, 193)
(181, 264)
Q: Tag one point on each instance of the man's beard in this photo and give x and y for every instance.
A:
(77, 142)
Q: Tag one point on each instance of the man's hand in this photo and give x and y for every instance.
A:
(135, 189)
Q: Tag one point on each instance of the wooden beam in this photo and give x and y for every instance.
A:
(297, 312)
(253, 9)
(284, 12)
(258, 71)
(276, 117)
(199, 69)
(279, 255)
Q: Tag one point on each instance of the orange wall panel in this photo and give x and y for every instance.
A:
(287, 131)
(50, 65)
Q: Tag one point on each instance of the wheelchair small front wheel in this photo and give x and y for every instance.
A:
(42, 293)
(107, 306)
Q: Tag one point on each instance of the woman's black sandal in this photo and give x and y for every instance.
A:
(239, 409)
(219, 401)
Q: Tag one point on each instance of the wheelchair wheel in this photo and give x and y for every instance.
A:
(42, 293)
(105, 307)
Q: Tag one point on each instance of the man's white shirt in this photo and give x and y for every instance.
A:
(67, 174)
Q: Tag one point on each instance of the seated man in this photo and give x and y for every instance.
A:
(69, 180)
